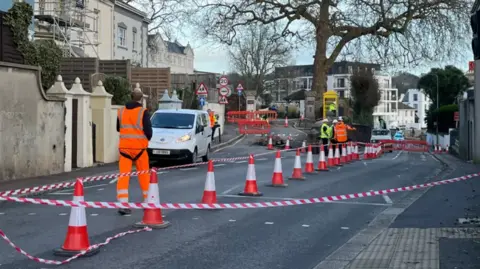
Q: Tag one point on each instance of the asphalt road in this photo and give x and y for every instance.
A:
(288, 237)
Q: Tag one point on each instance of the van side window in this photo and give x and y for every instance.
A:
(205, 120)
(199, 121)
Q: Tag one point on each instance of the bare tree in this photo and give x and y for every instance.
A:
(256, 52)
(402, 32)
(167, 16)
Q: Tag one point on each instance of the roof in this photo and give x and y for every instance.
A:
(172, 47)
(133, 10)
(181, 111)
(404, 106)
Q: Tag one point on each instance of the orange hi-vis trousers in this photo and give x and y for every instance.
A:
(127, 158)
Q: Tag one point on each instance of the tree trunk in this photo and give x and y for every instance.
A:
(320, 67)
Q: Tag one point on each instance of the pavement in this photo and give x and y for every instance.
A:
(300, 237)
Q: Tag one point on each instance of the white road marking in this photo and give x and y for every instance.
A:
(261, 159)
(188, 169)
(62, 214)
(61, 193)
(398, 154)
(2, 213)
(229, 145)
(70, 191)
(469, 220)
(255, 197)
(101, 189)
(365, 163)
(231, 189)
(231, 220)
(93, 215)
(241, 162)
(219, 164)
(338, 168)
(269, 223)
(31, 214)
(344, 228)
(195, 218)
(356, 203)
(113, 180)
(305, 225)
(387, 199)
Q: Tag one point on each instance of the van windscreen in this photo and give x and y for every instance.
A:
(173, 120)
(380, 132)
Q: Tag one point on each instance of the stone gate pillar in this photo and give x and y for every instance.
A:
(101, 102)
(310, 105)
(58, 89)
(83, 118)
(251, 106)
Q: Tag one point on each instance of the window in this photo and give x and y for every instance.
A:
(204, 120)
(172, 120)
(134, 39)
(122, 36)
(415, 106)
(373, 71)
(340, 83)
(350, 70)
(415, 97)
(341, 94)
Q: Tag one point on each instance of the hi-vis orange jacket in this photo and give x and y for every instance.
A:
(134, 126)
(212, 118)
(341, 132)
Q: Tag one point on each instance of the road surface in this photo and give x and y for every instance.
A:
(297, 237)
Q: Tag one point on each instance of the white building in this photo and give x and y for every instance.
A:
(420, 102)
(406, 116)
(164, 53)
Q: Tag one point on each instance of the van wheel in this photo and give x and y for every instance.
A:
(206, 157)
(194, 157)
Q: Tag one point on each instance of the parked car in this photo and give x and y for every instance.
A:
(182, 134)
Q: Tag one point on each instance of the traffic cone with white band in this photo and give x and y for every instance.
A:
(366, 154)
(277, 177)
(209, 192)
(251, 188)
(337, 155)
(297, 168)
(304, 146)
(322, 164)
(309, 166)
(76, 240)
(331, 159)
(287, 144)
(348, 157)
(153, 217)
(343, 157)
(270, 143)
(356, 157)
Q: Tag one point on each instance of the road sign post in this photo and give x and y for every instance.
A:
(239, 92)
(223, 81)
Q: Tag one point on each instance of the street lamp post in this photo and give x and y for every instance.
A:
(436, 75)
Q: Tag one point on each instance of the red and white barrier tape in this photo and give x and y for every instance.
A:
(111, 176)
(45, 261)
(325, 199)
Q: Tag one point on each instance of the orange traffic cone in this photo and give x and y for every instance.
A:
(356, 157)
(331, 160)
(304, 146)
(277, 178)
(287, 144)
(209, 192)
(286, 122)
(309, 166)
(322, 164)
(366, 152)
(251, 188)
(270, 143)
(349, 152)
(76, 240)
(337, 155)
(153, 217)
(297, 168)
(343, 157)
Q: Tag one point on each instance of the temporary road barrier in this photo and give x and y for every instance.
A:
(235, 116)
(253, 127)
(292, 202)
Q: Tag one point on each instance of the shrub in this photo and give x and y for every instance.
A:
(119, 87)
(43, 53)
(445, 118)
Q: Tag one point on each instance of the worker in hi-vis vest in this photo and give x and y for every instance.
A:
(135, 128)
(340, 134)
(349, 128)
(333, 108)
(326, 133)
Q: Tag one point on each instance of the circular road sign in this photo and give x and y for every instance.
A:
(224, 91)
(223, 81)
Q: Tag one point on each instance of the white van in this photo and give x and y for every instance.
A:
(182, 134)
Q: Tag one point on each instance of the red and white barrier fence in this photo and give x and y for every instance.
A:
(325, 199)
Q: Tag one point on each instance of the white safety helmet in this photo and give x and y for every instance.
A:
(325, 120)
(340, 118)
(335, 121)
